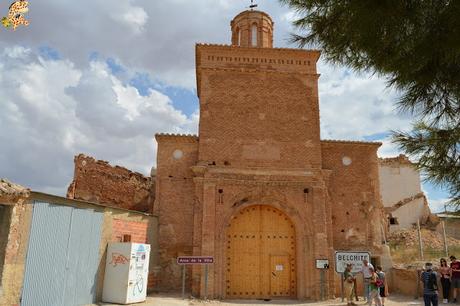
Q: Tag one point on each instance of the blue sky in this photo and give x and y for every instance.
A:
(102, 79)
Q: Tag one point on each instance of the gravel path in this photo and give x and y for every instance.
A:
(164, 300)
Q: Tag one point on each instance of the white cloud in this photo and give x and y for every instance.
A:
(388, 149)
(134, 17)
(353, 106)
(16, 52)
(154, 36)
(439, 205)
(51, 111)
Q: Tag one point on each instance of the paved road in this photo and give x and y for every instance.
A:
(162, 300)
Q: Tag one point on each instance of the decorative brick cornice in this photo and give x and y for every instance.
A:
(176, 137)
(352, 142)
(258, 70)
(224, 46)
(243, 182)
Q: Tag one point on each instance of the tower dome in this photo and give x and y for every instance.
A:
(252, 29)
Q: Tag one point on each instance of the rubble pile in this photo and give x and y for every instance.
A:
(409, 238)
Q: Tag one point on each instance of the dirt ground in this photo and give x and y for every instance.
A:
(163, 300)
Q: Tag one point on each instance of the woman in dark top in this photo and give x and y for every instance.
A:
(445, 272)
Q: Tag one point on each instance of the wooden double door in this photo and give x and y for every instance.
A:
(261, 255)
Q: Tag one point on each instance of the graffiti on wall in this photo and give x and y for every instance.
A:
(118, 259)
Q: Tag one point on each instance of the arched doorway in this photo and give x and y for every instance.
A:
(261, 248)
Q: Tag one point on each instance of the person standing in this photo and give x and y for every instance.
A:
(455, 274)
(430, 285)
(374, 293)
(383, 289)
(366, 270)
(445, 272)
(349, 284)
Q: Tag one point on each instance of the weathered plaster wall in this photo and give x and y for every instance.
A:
(5, 218)
(408, 214)
(97, 181)
(15, 253)
(401, 192)
(398, 180)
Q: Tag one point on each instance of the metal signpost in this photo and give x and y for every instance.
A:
(195, 260)
(322, 265)
(354, 258)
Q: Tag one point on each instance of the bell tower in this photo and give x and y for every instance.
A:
(258, 104)
(252, 29)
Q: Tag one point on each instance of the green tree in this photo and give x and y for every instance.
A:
(415, 45)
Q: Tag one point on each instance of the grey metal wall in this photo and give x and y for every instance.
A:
(62, 257)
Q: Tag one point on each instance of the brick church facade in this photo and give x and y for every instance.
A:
(257, 189)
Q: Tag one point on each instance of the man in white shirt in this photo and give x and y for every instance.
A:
(367, 276)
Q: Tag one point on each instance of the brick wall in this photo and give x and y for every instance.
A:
(357, 210)
(258, 107)
(97, 181)
(136, 230)
(175, 203)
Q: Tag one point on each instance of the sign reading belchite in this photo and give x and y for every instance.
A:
(355, 258)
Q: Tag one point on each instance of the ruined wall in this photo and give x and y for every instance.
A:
(258, 107)
(406, 215)
(401, 192)
(97, 181)
(399, 179)
(405, 282)
(174, 204)
(357, 211)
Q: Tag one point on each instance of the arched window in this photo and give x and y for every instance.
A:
(254, 35)
(238, 39)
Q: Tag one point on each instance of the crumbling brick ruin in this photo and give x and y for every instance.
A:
(97, 181)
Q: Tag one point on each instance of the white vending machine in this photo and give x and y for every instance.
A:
(126, 273)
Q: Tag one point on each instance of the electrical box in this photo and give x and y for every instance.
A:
(126, 273)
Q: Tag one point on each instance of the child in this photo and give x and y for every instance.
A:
(383, 287)
(374, 289)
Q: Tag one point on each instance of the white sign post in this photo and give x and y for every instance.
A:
(354, 258)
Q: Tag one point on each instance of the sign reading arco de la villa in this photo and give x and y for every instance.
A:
(355, 258)
(195, 260)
